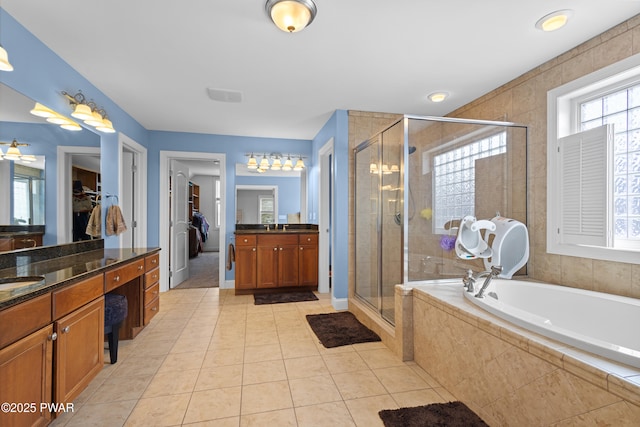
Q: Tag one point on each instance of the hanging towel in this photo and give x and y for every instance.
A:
(115, 221)
(94, 227)
(231, 257)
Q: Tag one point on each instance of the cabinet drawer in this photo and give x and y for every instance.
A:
(275, 240)
(152, 293)
(245, 240)
(308, 239)
(28, 241)
(22, 319)
(122, 275)
(68, 299)
(151, 278)
(150, 310)
(152, 261)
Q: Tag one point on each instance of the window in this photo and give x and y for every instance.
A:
(266, 208)
(454, 182)
(28, 196)
(593, 167)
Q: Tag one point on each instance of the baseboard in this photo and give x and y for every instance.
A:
(228, 284)
(340, 303)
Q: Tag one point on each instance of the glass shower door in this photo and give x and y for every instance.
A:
(367, 207)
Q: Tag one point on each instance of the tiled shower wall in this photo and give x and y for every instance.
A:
(524, 100)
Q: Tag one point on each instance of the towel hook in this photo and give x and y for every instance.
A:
(111, 196)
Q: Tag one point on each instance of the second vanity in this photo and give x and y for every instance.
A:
(52, 330)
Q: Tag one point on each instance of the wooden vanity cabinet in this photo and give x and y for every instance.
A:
(21, 241)
(151, 288)
(246, 258)
(26, 368)
(276, 260)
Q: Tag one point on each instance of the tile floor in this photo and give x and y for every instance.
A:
(210, 358)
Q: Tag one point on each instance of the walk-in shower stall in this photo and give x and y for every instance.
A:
(414, 182)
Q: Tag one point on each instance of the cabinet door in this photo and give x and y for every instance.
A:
(79, 350)
(267, 266)
(288, 265)
(308, 260)
(25, 377)
(246, 267)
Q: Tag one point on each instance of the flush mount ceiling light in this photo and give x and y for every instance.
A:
(554, 20)
(291, 15)
(438, 96)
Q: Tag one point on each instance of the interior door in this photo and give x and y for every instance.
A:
(179, 256)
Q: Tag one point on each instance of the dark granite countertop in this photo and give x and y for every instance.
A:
(18, 233)
(276, 228)
(61, 271)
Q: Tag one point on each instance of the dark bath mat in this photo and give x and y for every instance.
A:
(452, 414)
(277, 298)
(336, 329)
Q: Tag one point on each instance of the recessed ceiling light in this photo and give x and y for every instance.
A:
(554, 20)
(438, 96)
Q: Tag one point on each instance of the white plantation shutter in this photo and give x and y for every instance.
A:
(585, 181)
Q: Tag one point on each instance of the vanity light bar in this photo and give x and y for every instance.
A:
(276, 165)
(89, 112)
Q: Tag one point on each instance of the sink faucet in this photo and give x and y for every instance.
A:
(266, 227)
(494, 272)
(284, 227)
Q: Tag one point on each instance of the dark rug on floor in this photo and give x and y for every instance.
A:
(452, 414)
(336, 329)
(277, 298)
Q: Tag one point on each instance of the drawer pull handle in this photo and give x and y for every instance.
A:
(246, 240)
(155, 292)
(280, 248)
(154, 308)
(116, 278)
(154, 261)
(301, 248)
(140, 267)
(52, 337)
(275, 249)
(65, 330)
(308, 239)
(253, 249)
(155, 276)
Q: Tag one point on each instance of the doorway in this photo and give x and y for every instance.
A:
(325, 217)
(201, 165)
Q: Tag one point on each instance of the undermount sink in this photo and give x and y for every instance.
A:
(10, 284)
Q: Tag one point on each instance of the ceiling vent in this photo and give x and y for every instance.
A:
(224, 95)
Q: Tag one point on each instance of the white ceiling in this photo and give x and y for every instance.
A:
(156, 58)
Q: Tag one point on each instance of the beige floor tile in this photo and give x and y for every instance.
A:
(175, 362)
(313, 390)
(380, 358)
(223, 357)
(114, 389)
(159, 411)
(344, 362)
(281, 418)
(400, 378)
(262, 337)
(412, 398)
(222, 422)
(324, 415)
(258, 353)
(213, 404)
(353, 385)
(298, 348)
(219, 377)
(138, 366)
(263, 372)
(110, 414)
(265, 397)
(154, 347)
(365, 411)
(168, 383)
(189, 344)
(304, 367)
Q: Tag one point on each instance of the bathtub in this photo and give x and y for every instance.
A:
(596, 322)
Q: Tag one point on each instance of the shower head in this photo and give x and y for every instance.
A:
(412, 149)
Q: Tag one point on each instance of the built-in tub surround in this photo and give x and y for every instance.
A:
(511, 376)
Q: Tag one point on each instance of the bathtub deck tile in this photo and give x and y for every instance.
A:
(542, 350)
(514, 338)
(585, 371)
(626, 388)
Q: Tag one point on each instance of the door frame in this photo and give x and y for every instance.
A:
(325, 216)
(65, 153)
(163, 189)
(140, 184)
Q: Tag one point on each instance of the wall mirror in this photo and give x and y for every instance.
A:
(271, 197)
(28, 192)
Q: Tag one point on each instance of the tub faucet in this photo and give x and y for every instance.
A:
(494, 272)
(469, 281)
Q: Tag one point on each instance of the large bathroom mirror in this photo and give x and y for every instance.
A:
(272, 197)
(29, 191)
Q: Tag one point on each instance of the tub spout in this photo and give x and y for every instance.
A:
(494, 272)
(469, 281)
